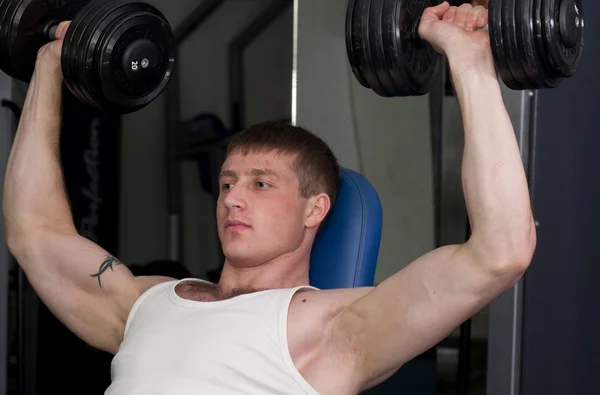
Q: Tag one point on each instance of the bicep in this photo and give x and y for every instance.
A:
(419, 306)
(85, 287)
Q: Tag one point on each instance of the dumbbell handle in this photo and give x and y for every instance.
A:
(50, 30)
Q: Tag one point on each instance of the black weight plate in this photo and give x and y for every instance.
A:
(92, 28)
(540, 43)
(155, 78)
(549, 39)
(511, 47)
(360, 27)
(27, 33)
(415, 60)
(496, 27)
(67, 49)
(135, 90)
(546, 74)
(96, 26)
(131, 24)
(376, 16)
(105, 81)
(5, 63)
(7, 12)
(391, 42)
(350, 44)
(128, 91)
(81, 45)
(525, 37)
(564, 60)
(71, 54)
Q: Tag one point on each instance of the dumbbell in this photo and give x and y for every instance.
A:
(536, 44)
(117, 56)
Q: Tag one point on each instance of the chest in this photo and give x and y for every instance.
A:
(201, 292)
(202, 320)
(302, 319)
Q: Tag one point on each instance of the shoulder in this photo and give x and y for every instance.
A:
(318, 348)
(313, 314)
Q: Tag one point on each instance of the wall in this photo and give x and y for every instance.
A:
(204, 88)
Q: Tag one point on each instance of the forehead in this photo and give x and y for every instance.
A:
(245, 164)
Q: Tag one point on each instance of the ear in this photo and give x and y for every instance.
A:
(318, 208)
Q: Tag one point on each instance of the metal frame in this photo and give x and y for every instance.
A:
(506, 312)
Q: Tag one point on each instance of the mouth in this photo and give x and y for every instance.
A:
(236, 225)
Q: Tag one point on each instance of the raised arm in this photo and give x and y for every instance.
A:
(89, 290)
(419, 306)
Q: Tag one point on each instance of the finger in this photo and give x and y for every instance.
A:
(462, 14)
(61, 30)
(482, 18)
(472, 17)
(437, 12)
(450, 14)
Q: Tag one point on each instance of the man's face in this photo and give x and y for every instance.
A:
(260, 213)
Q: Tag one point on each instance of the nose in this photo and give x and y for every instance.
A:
(234, 197)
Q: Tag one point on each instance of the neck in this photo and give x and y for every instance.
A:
(279, 273)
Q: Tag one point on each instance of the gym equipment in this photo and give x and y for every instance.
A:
(118, 55)
(345, 251)
(536, 44)
(203, 139)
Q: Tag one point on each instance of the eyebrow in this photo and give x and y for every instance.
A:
(253, 172)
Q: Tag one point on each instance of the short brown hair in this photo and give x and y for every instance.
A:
(315, 164)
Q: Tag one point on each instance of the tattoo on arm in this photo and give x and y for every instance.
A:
(107, 264)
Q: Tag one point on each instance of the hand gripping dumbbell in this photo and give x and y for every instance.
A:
(117, 56)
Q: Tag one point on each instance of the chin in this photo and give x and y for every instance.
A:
(244, 257)
(239, 255)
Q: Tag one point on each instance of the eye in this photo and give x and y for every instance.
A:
(226, 187)
(262, 185)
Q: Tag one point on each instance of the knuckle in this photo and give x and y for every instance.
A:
(52, 47)
(477, 10)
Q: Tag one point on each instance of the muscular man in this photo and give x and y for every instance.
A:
(262, 329)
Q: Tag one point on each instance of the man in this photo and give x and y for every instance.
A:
(262, 329)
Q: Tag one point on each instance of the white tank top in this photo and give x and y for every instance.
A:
(234, 346)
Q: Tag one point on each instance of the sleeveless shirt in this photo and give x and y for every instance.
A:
(235, 346)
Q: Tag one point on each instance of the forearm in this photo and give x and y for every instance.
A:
(494, 180)
(34, 193)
